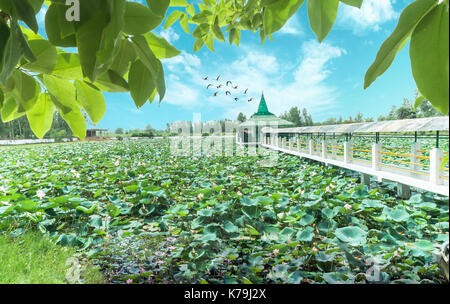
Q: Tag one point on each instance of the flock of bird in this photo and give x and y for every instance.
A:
(228, 87)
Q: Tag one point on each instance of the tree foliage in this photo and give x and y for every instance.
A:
(115, 49)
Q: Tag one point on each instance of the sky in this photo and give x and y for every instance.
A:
(292, 70)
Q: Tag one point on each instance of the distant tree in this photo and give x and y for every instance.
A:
(119, 131)
(241, 117)
(307, 120)
(406, 110)
(148, 128)
(359, 117)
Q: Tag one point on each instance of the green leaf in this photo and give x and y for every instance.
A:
(145, 54)
(89, 36)
(111, 82)
(63, 94)
(26, 13)
(9, 110)
(40, 117)
(355, 3)
(230, 227)
(418, 102)
(278, 13)
(68, 66)
(322, 14)
(251, 211)
(125, 56)
(210, 42)
(158, 7)
(353, 235)
(184, 23)
(46, 56)
(398, 214)
(160, 47)
(430, 57)
(305, 235)
(182, 3)
(26, 89)
(307, 219)
(142, 83)
(92, 100)
(217, 31)
(408, 20)
(172, 18)
(161, 82)
(139, 19)
(56, 26)
(12, 54)
(190, 9)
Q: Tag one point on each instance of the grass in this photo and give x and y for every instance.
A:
(34, 259)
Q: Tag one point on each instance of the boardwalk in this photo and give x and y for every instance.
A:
(413, 168)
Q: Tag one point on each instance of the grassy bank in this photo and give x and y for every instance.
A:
(33, 259)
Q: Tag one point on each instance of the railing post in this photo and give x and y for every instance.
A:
(310, 146)
(347, 146)
(324, 148)
(376, 148)
(291, 144)
(415, 147)
(435, 163)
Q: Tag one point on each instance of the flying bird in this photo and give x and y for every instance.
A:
(245, 92)
(219, 86)
(236, 99)
(235, 87)
(227, 93)
(206, 78)
(229, 82)
(218, 78)
(209, 85)
(250, 99)
(215, 94)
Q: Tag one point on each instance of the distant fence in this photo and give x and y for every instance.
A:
(15, 142)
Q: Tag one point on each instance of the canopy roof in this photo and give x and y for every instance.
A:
(264, 118)
(406, 125)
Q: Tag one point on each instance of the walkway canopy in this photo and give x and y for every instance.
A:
(405, 125)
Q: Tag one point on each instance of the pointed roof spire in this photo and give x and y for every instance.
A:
(262, 109)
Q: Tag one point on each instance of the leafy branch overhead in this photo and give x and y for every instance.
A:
(116, 50)
(39, 76)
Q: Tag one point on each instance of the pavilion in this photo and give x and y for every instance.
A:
(250, 131)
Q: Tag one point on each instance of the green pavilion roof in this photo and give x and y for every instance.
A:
(264, 118)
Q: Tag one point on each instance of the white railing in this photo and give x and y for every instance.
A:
(378, 162)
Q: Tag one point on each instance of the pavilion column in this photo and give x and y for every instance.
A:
(324, 148)
(435, 162)
(310, 146)
(376, 148)
(347, 151)
(298, 144)
(415, 148)
(291, 144)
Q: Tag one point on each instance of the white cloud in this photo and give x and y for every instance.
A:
(285, 84)
(292, 27)
(370, 16)
(169, 34)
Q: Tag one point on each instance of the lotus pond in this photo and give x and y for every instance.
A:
(143, 215)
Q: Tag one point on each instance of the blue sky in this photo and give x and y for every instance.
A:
(292, 70)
